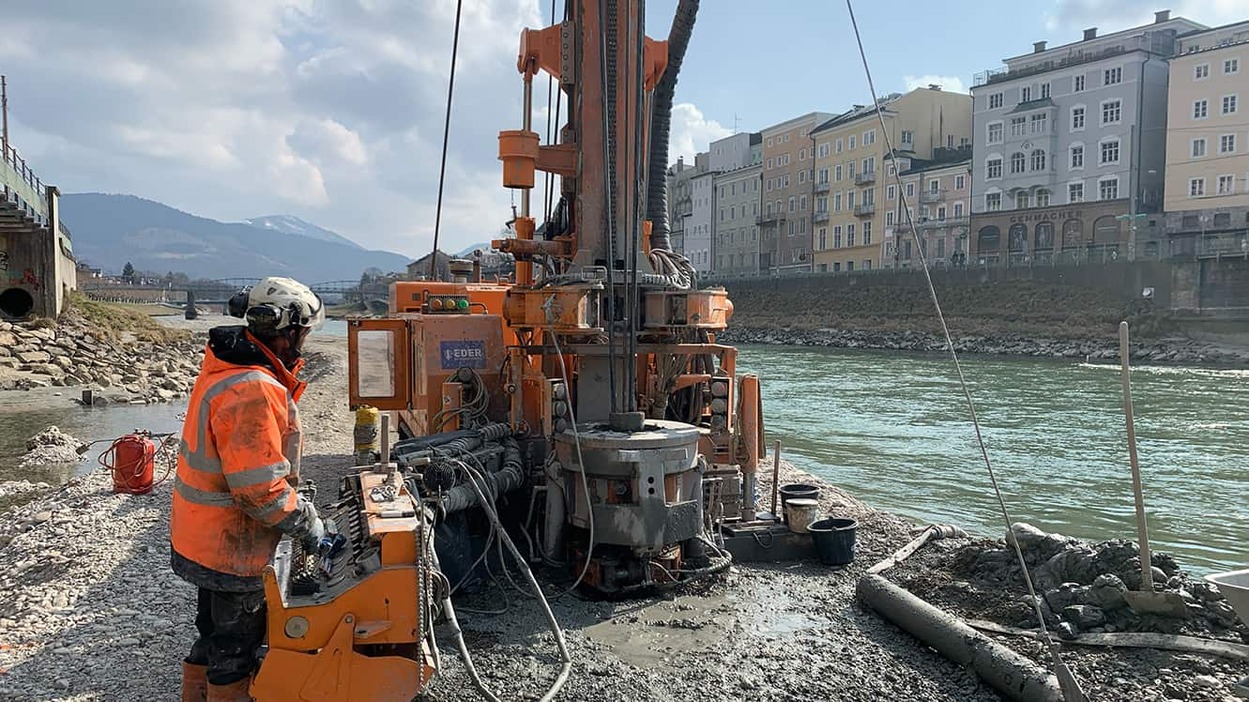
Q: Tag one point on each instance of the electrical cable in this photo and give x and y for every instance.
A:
(446, 134)
(585, 482)
(1067, 681)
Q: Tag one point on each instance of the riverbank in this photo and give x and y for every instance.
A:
(92, 611)
(1168, 350)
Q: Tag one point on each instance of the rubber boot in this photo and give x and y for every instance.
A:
(234, 692)
(194, 683)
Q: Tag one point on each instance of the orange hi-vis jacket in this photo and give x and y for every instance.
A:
(234, 494)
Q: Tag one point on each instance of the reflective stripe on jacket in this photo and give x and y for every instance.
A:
(234, 495)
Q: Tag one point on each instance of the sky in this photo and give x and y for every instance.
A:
(332, 110)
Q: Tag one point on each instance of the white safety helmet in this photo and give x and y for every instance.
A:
(274, 304)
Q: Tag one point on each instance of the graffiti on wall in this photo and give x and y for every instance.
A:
(29, 278)
(4, 260)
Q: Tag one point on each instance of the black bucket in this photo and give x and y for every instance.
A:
(834, 540)
(793, 490)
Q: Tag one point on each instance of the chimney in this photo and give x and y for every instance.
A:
(1038, 47)
(1090, 33)
(934, 86)
(1162, 16)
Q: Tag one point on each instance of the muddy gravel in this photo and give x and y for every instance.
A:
(91, 611)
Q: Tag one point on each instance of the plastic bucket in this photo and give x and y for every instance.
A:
(801, 513)
(789, 492)
(834, 540)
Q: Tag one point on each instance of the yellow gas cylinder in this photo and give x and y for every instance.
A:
(365, 434)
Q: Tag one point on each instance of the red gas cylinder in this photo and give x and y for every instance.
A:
(132, 460)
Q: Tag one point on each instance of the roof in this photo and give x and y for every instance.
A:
(756, 138)
(1119, 34)
(857, 113)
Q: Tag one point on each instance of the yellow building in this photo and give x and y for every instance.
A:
(1207, 173)
(850, 157)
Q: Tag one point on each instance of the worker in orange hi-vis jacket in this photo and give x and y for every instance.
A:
(234, 496)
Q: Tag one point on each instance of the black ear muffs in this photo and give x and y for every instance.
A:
(263, 319)
(237, 305)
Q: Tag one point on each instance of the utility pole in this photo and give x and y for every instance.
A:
(4, 111)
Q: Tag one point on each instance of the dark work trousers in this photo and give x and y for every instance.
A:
(231, 629)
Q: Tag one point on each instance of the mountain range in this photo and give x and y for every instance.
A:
(112, 230)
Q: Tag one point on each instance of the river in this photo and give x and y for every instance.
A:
(893, 430)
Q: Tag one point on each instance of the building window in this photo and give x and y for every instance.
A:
(1077, 118)
(792, 202)
(838, 146)
(891, 193)
(889, 218)
(1112, 111)
(1077, 156)
(1075, 193)
(1018, 162)
(1043, 198)
(908, 138)
(837, 237)
(867, 233)
(1045, 90)
(1227, 185)
(1201, 108)
(1112, 76)
(1039, 123)
(993, 202)
(1108, 189)
(958, 210)
(934, 185)
(821, 204)
(1201, 71)
(769, 142)
(995, 133)
(1227, 144)
(849, 235)
(1199, 148)
(993, 168)
(802, 203)
(850, 142)
(960, 182)
(1110, 152)
(869, 137)
(1025, 93)
(910, 190)
(995, 101)
(802, 176)
(869, 164)
(1038, 160)
(823, 150)
(1196, 187)
(823, 238)
(1077, 84)
(1018, 126)
(1229, 104)
(1231, 65)
(836, 202)
(1023, 201)
(849, 199)
(823, 176)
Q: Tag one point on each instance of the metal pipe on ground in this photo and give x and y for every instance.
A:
(1011, 674)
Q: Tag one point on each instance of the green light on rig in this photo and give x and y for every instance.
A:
(462, 304)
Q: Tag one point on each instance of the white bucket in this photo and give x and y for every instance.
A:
(801, 513)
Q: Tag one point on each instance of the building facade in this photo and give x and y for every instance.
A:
(850, 178)
(937, 196)
(736, 230)
(1207, 173)
(680, 203)
(785, 207)
(1070, 145)
(702, 213)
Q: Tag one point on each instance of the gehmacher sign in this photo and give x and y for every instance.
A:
(1047, 216)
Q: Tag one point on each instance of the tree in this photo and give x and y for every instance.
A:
(127, 273)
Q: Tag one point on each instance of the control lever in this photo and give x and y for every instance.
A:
(331, 544)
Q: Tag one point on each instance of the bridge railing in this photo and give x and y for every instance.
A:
(21, 186)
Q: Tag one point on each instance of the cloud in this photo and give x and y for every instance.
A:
(952, 84)
(691, 132)
(331, 110)
(1115, 15)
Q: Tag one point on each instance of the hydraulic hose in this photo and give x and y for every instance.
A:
(661, 123)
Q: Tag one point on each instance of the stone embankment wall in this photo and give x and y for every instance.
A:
(74, 353)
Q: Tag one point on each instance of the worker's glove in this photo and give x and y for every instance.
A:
(312, 539)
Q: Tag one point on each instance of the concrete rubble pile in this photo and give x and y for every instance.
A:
(1179, 351)
(1081, 587)
(73, 354)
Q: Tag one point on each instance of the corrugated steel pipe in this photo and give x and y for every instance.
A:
(661, 123)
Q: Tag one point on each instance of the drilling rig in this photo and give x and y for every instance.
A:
(583, 405)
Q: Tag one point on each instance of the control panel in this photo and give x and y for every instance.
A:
(446, 304)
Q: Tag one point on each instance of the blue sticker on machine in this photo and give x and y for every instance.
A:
(469, 353)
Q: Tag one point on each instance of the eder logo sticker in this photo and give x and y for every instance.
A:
(463, 354)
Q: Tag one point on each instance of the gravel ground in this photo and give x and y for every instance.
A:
(92, 612)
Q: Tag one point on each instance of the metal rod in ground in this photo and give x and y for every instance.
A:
(1142, 527)
(776, 474)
